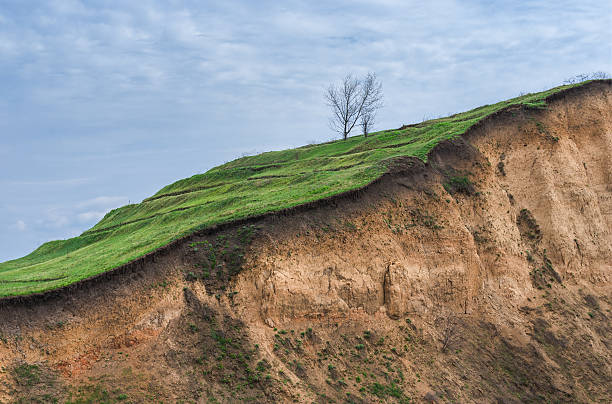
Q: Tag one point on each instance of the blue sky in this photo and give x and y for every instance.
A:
(105, 102)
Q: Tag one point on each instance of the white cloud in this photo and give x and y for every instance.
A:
(7, 47)
(68, 7)
(55, 218)
(103, 201)
(20, 225)
(90, 216)
(53, 183)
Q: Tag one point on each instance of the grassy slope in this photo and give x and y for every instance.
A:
(244, 187)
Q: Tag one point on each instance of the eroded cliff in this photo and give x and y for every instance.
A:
(481, 276)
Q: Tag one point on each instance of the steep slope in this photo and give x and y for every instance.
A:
(247, 187)
(483, 275)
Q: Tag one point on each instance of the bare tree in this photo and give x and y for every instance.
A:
(367, 121)
(579, 78)
(448, 328)
(372, 94)
(351, 99)
(368, 115)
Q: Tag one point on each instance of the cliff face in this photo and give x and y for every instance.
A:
(481, 276)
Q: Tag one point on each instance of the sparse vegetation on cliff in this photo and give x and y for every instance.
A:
(398, 293)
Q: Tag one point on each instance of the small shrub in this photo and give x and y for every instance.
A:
(383, 391)
(26, 374)
(350, 225)
(262, 365)
(501, 167)
(420, 218)
(461, 185)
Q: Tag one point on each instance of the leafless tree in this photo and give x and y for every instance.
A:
(367, 121)
(600, 76)
(579, 78)
(351, 99)
(448, 328)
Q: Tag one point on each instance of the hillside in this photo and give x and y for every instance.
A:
(244, 188)
(481, 275)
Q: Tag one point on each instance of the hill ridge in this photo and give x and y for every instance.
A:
(11, 273)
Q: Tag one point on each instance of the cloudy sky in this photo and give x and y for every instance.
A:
(104, 102)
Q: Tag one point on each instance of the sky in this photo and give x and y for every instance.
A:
(105, 102)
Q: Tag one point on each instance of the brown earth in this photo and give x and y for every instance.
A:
(483, 276)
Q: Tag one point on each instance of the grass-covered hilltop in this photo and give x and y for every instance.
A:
(245, 187)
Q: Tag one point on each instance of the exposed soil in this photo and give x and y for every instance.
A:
(483, 276)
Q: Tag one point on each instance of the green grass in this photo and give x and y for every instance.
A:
(245, 187)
